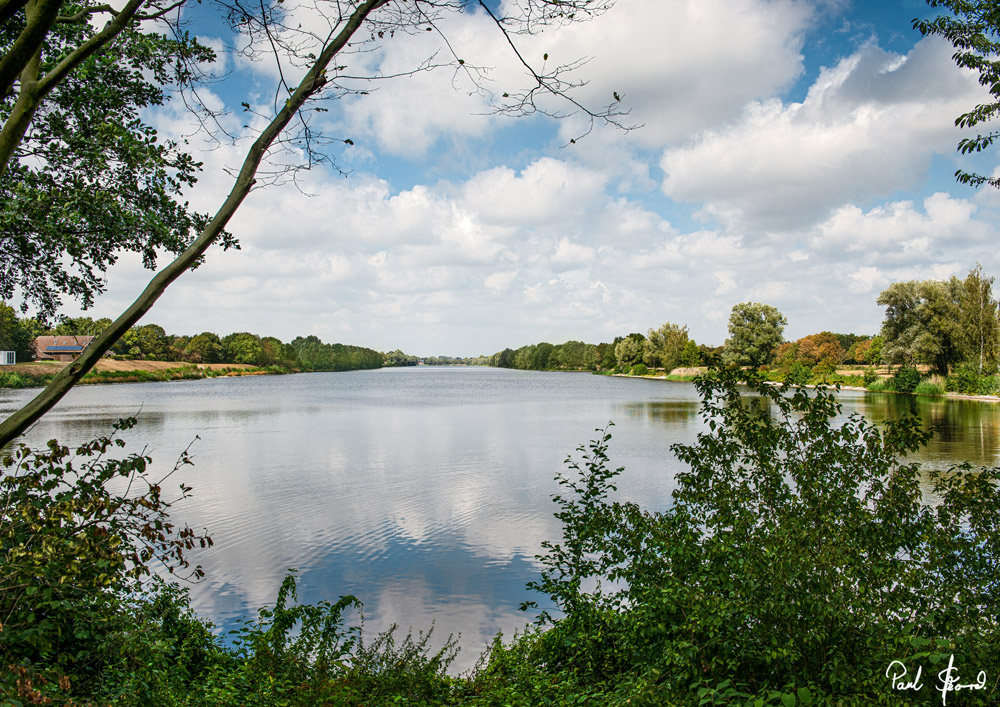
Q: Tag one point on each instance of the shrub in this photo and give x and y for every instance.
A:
(880, 385)
(796, 563)
(70, 548)
(640, 369)
(906, 379)
(798, 374)
(966, 379)
(870, 377)
(928, 388)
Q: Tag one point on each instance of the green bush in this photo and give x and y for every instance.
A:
(906, 379)
(870, 376)
(880, 385)
(798, 374)
(796, 563)
(71, 549)
(928, 388)
(640, 369)
(966, 379)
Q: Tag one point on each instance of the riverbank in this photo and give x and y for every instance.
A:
(40, 373)
(688, 375)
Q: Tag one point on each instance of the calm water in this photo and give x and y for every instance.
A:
(423, 491)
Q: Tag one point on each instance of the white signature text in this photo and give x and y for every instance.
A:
(948, 679)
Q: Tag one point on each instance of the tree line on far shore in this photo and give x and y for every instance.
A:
(946, 330)
(152, 343)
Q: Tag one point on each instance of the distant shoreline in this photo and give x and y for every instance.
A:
(674, 378)
(109, 371)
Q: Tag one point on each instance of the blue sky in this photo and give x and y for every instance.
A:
(793, 152)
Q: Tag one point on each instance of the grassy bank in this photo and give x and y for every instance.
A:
(30, 376)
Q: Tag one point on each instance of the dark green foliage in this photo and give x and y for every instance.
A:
(798, 373)
(15, 335)
(967, 379)
(906, 379)
(91, 179)
(313, 355)
(640, 369)
(797, 562)
(71, 548)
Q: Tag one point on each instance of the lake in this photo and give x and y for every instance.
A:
(426, 492)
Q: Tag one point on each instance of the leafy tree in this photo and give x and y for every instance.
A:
(606, 358)
(922, 323)
(541, 359)
(972, 29)
(629, 351)
(823, 350)
(82, 176)
(206, 347)
(858, 351)
(146, 341)
(690, 356)
(276, 353)
(505, 359)
(979, 319)
(755, 331)
(667, 344)
(14, 335)
(574, 354)
(242, 347)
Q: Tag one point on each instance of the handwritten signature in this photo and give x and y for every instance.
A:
(948, 679)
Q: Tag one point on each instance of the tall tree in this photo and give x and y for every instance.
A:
(922, 323)
(755, 331)
(973, 29)
(355, 26)
(668, 342)
(979, 319)
(629, 350)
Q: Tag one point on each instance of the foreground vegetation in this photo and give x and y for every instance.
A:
(797, 564)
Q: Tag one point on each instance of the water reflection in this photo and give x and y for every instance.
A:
(425, 492)
(963, 430)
